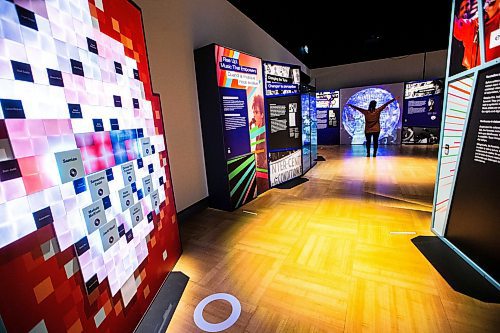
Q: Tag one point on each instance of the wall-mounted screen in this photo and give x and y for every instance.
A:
(86, 203)
(353, 121)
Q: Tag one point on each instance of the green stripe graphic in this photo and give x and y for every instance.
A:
(241, 167)
(235, 188)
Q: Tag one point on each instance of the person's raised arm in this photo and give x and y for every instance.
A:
(380, 109)
(357, 108)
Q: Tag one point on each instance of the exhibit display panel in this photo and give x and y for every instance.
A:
(352, 129)
(284, 121)
(89, 228)
(423, 102)
(314, 127)
(465, 210)
(473, 221)
(328, 120)
(306, 133)
(232, 113)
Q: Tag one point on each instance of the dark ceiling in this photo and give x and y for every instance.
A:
(341, 32)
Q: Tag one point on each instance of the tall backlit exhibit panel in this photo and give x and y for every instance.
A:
(306, 133)
(352, 129)
(231, 97)
(309, 128)
(328, 117)
(314, 126)
(284, 121)
(88, 228)
(466, 208)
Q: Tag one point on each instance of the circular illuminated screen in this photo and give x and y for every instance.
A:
(354, 122)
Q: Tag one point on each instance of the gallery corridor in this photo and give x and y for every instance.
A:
(333, 254)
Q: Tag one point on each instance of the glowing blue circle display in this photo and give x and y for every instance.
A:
(354, 122)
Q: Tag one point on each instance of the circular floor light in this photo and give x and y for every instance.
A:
(209, 327)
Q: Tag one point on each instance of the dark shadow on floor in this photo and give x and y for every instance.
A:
(162, 309)
(292, 183)
(455, 270)
(320, 158)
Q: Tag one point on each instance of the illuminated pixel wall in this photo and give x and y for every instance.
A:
(88, 226)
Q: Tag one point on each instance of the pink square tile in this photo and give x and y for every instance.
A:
(35, 127)
(79, 82)
(13, 189)
(68, 80)
(17, 128)
(28, 166)
(32, 183)
(22, 147)
(51, 127)
(83, 97)
(71, 95)
(65, 126)
(84, 139)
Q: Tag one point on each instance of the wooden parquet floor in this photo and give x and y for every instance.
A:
(320, 257)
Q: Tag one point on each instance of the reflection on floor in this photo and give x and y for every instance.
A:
(320, 257)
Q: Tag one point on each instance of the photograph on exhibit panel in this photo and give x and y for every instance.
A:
(491, 15)
(465, 52)
(420, 135)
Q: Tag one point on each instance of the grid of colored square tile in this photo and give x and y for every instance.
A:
(82, 167)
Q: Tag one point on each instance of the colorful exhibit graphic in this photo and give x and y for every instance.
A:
(454, 119)
(328, 120)
(353, 122)
(88, 230)
(239, 76)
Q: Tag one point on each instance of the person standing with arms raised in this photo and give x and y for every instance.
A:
(372, 123)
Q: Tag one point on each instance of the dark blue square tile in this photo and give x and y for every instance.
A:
(26, 17)
(55, 78)
(22, 71)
